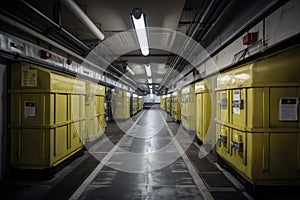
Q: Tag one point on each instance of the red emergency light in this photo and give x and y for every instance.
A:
(45, 54)
(249, 38)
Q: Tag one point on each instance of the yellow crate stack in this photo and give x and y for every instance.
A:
(47, 116)
(188, 105)
(204, 91)
(176, 106)
(121, 109)
(257, 121)
(140, 103)
(134, 103)
(161, 102)
(95, 113)
(168, 103)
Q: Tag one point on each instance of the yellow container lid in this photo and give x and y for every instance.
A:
(33, 78)
(204, 86)
(278, 70)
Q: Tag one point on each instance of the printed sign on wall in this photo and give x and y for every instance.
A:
(288, 109)
(29, 109)
(29, 77)
(236, 98)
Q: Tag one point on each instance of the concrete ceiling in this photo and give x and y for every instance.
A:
(113, 17)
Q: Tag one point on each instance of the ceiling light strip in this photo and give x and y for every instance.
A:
(138, 19)
(130, 71)
(148, 69)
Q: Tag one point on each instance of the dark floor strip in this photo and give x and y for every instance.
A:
(218, 184)
(65, 188)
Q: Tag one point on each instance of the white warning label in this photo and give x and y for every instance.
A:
(288, 109)
(29, 109)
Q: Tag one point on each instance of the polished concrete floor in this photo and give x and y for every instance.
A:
(145, 164)
(146, 157)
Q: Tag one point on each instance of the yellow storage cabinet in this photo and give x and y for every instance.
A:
(47, 116)
(161, 102)
(176, 106)
(168, 105)
(204, 91)
(257, 122)
(164, 103)
(121, 109)
(140, 103)
(127, 103)
(188, 108)
(134, 104)
(95, 113)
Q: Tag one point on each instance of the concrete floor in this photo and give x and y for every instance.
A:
(145, 165)
(155, 159)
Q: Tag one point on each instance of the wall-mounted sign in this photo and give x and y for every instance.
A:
(29, 109)
(288, 109)
(29, 78)
(236, 98)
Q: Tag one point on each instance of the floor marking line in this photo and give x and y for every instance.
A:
(179, 171)
(247, 196)
(222, 189)
(197, 179)
(232, 179)
(76, 195)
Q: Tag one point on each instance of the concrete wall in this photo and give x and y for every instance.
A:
(3, 120)
(279, 25)
(283, 23)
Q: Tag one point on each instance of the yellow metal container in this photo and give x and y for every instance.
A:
(47, 116)
(121, 109)
(263, 158)
(176, 106)
(140, 103)
(168, 100)
(95, 113)
(188, 108)
(164, 103)
(223, 145)
(135, 104)
(127, 103)
(260, 133)
(204, 91)
(161, 102)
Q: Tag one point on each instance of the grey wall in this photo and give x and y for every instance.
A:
(3, 133)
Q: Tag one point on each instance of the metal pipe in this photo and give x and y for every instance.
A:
(55, 25)
(210, 28)
(71, 36)
(187, 42)
(84, 18)
(44, 38)
(218, 18)
(259, 16)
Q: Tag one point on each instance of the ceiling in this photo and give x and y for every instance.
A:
(113, 18)
(166, 19)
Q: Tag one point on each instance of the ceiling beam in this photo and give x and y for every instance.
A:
(150, 55)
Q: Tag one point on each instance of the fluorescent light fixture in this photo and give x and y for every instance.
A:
(148, 69)
(150, 80)
(130, 70)
(138, 19)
